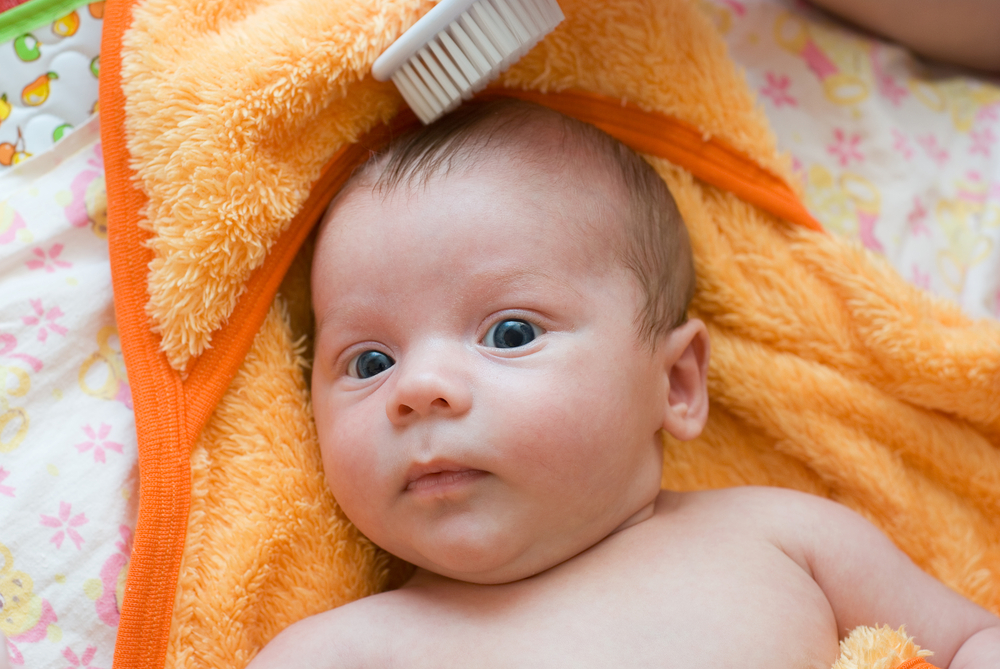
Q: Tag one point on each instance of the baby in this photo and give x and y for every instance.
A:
(501, 338)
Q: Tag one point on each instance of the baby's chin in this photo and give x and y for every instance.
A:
(496, 562)
(470, 564)
(484, 574)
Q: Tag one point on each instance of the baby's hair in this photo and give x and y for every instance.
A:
(655, 247)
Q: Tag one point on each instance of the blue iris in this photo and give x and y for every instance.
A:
(370, 363)
(510, 334)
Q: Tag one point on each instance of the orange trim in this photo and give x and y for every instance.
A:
(170, 412)
(916, 663)
(158, 397)
(709, 159)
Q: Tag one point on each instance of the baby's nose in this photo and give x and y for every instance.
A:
(426, 389)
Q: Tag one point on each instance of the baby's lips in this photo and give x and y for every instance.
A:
(439, 475)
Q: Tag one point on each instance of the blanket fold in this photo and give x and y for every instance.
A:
(228, 127)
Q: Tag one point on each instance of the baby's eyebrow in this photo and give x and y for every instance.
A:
(489, 283)
(343, 313)
(526, 289)
(505, 278)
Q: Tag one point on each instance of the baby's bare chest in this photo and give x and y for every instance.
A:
(687, 607)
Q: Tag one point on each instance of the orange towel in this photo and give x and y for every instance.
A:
(228, 127)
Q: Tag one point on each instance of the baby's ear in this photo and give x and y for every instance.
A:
(686, 366)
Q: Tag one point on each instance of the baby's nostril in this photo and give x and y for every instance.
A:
(441, 403)
(404, 410)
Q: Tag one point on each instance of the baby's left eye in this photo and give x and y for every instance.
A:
(511, 333)
(369, 364)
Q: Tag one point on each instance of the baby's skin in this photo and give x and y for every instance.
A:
(487, 411)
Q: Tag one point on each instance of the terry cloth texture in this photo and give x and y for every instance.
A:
(880, 648)
(228, 127)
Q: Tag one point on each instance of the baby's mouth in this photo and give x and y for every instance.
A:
(441, 479)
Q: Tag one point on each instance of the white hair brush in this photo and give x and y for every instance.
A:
(460, 46)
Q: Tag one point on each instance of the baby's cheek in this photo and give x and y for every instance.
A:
(558, 445)
(349, 458)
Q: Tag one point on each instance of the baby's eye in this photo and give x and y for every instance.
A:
(368, 364)
(511, 333)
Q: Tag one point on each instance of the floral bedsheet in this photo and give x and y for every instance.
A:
(895, 153)
(900, 156)
(68, 460)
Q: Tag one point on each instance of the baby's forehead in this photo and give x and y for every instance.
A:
(574, 199)
(559, 177)
(540, 162)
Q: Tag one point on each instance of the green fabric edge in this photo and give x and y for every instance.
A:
(28, 16)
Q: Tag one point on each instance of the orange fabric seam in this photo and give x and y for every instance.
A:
(916, 663)
(158, 399)
(709, 159)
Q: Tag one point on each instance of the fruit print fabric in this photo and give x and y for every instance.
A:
(68, 459)
(901, 155)
(48, 82)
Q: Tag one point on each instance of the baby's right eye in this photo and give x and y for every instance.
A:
(368, 364)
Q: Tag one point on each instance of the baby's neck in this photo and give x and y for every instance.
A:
(645, 513)
(664, 500)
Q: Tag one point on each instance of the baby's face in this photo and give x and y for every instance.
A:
(484, 407)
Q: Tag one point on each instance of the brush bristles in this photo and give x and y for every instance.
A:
(472, 51)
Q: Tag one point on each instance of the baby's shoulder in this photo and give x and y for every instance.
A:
(762, 504)
(800, 524)
(351, 635)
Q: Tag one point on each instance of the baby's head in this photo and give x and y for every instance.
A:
(501, 336)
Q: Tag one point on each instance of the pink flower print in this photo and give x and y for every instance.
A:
(845, 147)
(40, 316)
(10, 223)
(981, 141)
(65, 521)
(917, 218)
(76, 210)
(866, 231)
(83, 660)
(975, 190)
(990, 112)
(738, 7)
(935, 152)
(98, 442)
(125, 545)
(48, 260)
(7, 345)
(777, 90)
(921, 279)
(15, 655)
(5, 489)
(901, 144)
(890, 90)
(107, 603)
(887, 86)
(817, 61)
(799, 170)
(35, 634)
